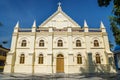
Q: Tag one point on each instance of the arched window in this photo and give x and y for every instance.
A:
(96, 43)
(98, 61)
(79, 59)
(60, 56)
(40, 60)
(24, 43)
(60, 43)
(22, 59)
(41, 43)
(78, 43)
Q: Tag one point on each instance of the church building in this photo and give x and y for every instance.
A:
(59, 45)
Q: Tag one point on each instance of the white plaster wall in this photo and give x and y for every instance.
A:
(60, 37)
(30, 41)
(70, 53)
(70, 60)
(59, 21)
(7, 67)
(23, 68)
(27, 66)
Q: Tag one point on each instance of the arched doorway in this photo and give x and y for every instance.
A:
(60, 63)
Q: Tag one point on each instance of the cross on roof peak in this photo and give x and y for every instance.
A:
(59, 6)
(59, 3)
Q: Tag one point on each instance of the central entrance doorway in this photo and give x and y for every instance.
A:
(60, 63)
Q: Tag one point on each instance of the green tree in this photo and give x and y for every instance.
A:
(1, 24)
(111, 45)
(3, 42)
(115, 18)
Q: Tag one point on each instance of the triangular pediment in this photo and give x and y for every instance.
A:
(59, 20)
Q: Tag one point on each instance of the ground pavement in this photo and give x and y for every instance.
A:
(60, 76)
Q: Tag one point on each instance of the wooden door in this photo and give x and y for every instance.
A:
(60, 64)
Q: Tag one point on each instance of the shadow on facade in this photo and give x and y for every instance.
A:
(91, 69)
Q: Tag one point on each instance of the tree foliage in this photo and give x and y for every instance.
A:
(115, 19)
(104, 2)
(115, 29)
(1, 24)
(3, 42)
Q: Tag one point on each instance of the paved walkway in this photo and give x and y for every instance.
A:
(60, 76)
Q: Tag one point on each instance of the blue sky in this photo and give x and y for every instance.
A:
(26, 11)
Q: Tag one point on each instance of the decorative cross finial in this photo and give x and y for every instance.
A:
(59, 4)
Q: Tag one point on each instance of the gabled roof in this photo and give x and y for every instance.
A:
(59, 19)
(3, 48)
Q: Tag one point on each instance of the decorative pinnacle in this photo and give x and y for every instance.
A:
(85, 23)
(17, 25)
(102, 25)
(34, 23)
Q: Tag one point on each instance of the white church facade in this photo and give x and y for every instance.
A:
(60, 45)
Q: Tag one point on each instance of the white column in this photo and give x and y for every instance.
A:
(10, 59)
